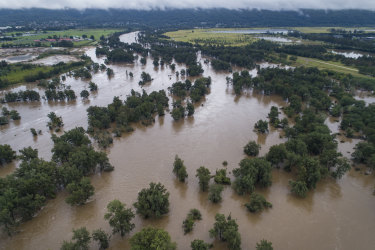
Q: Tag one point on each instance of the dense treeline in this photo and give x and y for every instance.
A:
(136, 108)
(301, 85)
(220, 65)
(24, 192)
(27, 95)
(116, 55)
(245, 56)
(183, 53)
(60, 95)
(298, 85)
(314, 51)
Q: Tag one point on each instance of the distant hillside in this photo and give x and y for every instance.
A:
(184, 18)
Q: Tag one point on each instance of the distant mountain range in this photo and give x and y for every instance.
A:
(184, 18)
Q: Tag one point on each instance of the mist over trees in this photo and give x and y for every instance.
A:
(185, 18)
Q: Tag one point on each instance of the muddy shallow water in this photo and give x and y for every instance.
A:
(55, 59)
(337, 215)
(12, 55)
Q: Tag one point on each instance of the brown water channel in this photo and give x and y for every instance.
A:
(337, 215)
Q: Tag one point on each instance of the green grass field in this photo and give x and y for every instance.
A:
(97, 33)
(328, 65)
(208, 36)
(18, 74)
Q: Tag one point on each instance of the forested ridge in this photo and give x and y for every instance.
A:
(184, 18)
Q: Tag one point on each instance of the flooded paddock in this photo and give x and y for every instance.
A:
(337, 215)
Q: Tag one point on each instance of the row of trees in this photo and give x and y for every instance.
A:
(137, 107)
(27, 95)
(60, 95)
(116, 54)
(120, 219)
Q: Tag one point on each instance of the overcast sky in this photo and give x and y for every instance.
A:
(152, 4)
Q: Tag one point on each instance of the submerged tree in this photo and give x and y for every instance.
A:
(299, 188)
(204, 177)
(221, 177)
(264, 245)
(79, 192)
(119, 217)
(257, 203)
(252, 148)
(93, 86)
(261, 126)
(145, 78)
(84, 94)
(200, 245)
(81, 240)
(190, 109)
(153, 201)
(226, 229)
(192, 216)
(153, 239)
(179, 169)
(6, 154)
(251, 172)
(102, 238)
(274, 116)
(214, 193)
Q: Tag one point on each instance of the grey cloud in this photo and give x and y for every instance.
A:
(163, 4)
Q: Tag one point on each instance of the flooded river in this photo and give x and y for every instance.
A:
(337, 215)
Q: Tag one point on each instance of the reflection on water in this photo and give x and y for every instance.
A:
(275, 39)
(365, 96)
(20, 58)
(334, 216)
(130, 38)
(351, 54)
(345, 145)
(252, 31)
(55, 59)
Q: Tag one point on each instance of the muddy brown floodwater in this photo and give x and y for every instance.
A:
(337, 215)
